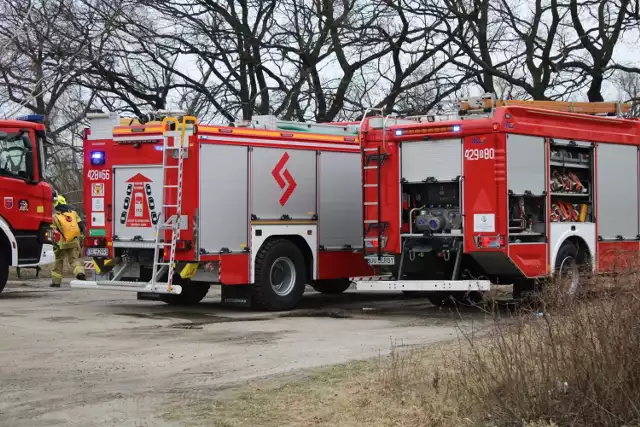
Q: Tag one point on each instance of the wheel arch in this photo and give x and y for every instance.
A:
(303, 236)
(7, 238)
(580, 244)
(581, 234)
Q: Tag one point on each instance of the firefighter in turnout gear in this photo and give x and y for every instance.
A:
(70, 228)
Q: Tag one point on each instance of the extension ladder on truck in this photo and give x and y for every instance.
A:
(172, 222)
(372, 160)
(175, 142)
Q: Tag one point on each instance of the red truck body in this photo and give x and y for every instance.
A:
(242, 189)
(26, 213)
(526, 192)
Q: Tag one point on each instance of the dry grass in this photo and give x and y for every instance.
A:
(574, 362)
(568, 362)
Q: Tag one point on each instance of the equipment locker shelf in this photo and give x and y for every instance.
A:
(571, 181)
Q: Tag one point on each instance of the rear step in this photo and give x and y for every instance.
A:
(109, 285)
(377, 284)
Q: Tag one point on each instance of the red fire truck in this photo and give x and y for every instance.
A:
(261, 207)
(504, 193)
(26, 217)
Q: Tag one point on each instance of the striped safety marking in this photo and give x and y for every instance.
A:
(88, 265)
(369, 278)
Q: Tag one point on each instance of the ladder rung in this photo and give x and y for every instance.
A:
(171, 167)
(370, 203)
(370, 149)
(371, 167)
(163, 263)
(169, 206)
(370, 221)
(370, 185)
(171, 186)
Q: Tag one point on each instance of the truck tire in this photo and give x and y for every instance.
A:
(192, 293)
(280, 278)
(332, 286)
(4, 270)
(569, 261)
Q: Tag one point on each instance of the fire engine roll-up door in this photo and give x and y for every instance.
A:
(137, 202)
(283, 183)
(526, 164)
(617, 191)
(340, 210)
(438, 158)
(223, 197)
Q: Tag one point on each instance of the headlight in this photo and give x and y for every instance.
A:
(48, 236)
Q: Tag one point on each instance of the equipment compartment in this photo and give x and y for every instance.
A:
(527, 218)
(571, 182)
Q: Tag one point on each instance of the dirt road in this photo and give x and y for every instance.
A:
(83, 358)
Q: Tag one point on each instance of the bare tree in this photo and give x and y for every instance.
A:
(40, 65)
(598, 25)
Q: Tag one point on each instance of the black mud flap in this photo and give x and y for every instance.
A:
(148, 296)
(237, 295)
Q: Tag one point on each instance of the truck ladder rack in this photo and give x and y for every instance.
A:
(273, 123)
(484, 106)
(488, 103)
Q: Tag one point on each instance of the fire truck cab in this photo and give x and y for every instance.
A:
(26, 217)
(500, 193)
(261, 207)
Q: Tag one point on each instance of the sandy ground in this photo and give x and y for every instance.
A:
(87, 358)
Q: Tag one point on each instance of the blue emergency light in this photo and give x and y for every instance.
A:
(34, 118)
(457, 128)
(398, 132)
(97, 158)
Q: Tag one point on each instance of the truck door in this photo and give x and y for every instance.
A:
(23, 194)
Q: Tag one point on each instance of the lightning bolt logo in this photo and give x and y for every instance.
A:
(284, 179)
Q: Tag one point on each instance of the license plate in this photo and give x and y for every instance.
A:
(104, 252)
(384, 260)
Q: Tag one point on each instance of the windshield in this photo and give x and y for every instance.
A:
(13, 154)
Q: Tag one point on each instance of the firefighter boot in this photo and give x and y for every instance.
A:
(56, 272)
(76, 263)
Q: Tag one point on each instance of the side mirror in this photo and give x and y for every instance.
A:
(29, 164)
(26, 140)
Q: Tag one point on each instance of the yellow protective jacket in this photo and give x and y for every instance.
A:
(68, 224)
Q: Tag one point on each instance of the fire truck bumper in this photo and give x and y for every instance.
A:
(47, 256)
(109, 285)
(374, 284)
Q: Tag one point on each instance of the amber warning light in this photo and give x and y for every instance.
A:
(432, 129)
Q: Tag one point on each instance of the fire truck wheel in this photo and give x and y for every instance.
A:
(4, 271)
(192, 293)
(334, 286)
(281, 276)
(568, 263)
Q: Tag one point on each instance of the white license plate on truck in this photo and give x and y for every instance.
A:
(383, 260)
(101, 252)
